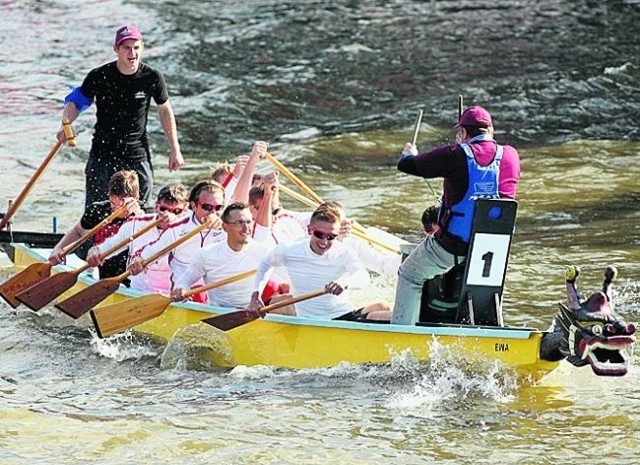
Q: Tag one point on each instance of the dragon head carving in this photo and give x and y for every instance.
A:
(593, 334)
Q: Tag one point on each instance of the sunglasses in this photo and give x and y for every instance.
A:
(175, 211)
(210, 208)
(321, 235)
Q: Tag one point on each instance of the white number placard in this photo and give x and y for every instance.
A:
(488, 259)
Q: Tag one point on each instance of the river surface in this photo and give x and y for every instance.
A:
(335, 87)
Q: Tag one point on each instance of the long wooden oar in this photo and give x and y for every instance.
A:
(293, 178)
(114, 318)
(44, 292)
(83, 301)
(17, 203)
(36, 272)
(232, 320)
(358, 230)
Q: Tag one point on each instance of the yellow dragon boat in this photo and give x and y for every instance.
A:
(292, 342)
(587, 333)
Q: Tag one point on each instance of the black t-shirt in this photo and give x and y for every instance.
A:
(94, 215)
(122, 103)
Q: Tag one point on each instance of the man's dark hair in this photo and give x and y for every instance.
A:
(124, 183)
(430, 217)
(226, 214)
(175, 192)
(473, 131)
(204, 186)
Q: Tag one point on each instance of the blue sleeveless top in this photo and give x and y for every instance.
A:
(483, 184)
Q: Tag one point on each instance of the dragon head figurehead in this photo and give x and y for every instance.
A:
(592, 333)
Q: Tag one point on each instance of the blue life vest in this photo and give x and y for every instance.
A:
(483, 184)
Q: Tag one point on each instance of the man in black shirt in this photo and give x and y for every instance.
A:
(123, 187)
(122, 91)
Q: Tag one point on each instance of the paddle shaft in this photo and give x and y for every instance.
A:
(15, 205)
(358, 230)
(114, 318)
(416, 128)
(460, 105)
(44, 292)
(165, 250)
(69, 135)
(219, 283)
(293, 178)
(120, 244)
(75, 244)
(300, 198)
(232, 320)
(291, 301)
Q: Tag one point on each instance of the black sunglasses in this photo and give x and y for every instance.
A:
(321, 235)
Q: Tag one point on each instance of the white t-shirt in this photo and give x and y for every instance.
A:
(311, 272)
(379, 261)
(285, 230)
(182, 256)
(219, 261)
(156, 277)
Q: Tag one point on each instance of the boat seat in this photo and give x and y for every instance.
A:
(486, 265)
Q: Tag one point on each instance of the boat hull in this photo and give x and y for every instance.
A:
(292, 342)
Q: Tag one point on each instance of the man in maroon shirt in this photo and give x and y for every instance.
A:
(474, 167)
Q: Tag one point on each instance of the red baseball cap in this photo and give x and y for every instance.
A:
(126, 33)
(475, 116)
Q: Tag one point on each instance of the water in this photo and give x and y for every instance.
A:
(335, 86)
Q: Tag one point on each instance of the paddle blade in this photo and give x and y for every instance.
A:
(231, 320)
(23, 280)
(80, 303)
(114, 318)
(44, 292)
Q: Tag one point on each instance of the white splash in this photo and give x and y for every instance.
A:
(447, 377)
(120, 347)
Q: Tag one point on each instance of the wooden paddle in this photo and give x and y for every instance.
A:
(81, 302)
(17, 203)
(36, 272)
(114, 318)
(293, 178)
(358, 230)
(232, 320)
(44, 292)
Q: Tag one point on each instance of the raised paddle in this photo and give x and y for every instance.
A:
(414, 140)
(416, 128)
(114, 318)
(293, 178)
(17, 203)
(44, 292)
(36, 272)
(83, 301)
(358, 230)
(232, 320)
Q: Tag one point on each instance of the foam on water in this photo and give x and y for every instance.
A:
(449, 377)
(121, 347)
